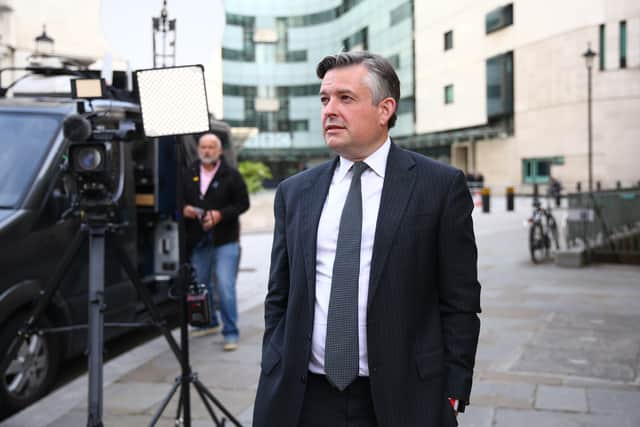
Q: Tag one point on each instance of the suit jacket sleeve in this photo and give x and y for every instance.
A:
(278, 292)
(459, 290)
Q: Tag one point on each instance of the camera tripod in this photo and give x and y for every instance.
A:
(100, 230)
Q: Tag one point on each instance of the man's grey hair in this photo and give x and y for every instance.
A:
(381, 78)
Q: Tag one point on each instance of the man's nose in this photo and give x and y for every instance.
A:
(329, 109)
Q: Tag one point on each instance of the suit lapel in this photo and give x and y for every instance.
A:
(313, 196)
(399, 181)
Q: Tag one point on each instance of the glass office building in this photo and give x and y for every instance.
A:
(270, 51)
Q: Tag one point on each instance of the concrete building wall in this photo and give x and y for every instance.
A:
(550, 86)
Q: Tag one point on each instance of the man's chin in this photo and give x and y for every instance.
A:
(334, 142)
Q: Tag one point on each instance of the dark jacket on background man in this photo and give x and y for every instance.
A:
(227, 193)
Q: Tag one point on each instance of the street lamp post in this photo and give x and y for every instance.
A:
(589, 56)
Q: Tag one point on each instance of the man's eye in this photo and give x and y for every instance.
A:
(346, 98)
(324, 100)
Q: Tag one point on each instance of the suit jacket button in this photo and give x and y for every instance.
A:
(303, 379)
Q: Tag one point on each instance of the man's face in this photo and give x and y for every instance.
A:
(209, 149)
(352, 125)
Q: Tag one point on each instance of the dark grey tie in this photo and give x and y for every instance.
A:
(341, 347)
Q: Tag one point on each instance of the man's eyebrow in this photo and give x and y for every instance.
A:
(339, 92)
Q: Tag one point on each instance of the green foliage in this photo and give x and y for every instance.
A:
(254, 173)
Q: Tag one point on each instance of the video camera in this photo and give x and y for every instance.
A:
(94, 158)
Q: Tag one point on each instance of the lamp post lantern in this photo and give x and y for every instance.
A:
(44, 43)
(589, 56)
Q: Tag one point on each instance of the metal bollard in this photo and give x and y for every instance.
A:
(536, 193)
(578, 187)
(618, 185)
(486, 200)
(510, 197)
(598, 186)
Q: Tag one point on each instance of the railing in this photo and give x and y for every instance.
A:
(606, 224)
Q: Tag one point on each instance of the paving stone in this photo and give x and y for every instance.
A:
(533, 418)
(605, 401)
(476, 416)
(504, 395)
(129, 398)
(561, 398)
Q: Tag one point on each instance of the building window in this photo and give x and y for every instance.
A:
(238, 90)
(500, 85)
(623, 44)
(448, 40)
(499, 18)
(301, 90)
(602, 47)
(538, 171)
(296, 56)
(358, 41)
(448, 94)
(293, 125)
(400, 13)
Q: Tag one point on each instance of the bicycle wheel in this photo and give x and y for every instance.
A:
(552, 227)
(538, 246)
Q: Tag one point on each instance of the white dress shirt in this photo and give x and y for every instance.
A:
(371, 184)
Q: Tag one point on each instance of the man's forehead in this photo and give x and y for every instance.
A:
(343, 79)
(209, 138)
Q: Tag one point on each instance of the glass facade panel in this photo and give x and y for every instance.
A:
(401, 12)
(283, 70)
(394, 60)
(406, 105)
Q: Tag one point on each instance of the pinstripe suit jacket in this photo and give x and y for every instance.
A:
(422, 323)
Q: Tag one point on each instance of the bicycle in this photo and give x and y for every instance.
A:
(543, 230)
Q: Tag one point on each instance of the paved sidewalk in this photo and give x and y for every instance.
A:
(558, 347)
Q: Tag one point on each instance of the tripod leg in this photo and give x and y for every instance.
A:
(96, 323)
(165, 402)
(216, 402)
(49, 290)
(179, 412)
(208, 405)
(125, 262)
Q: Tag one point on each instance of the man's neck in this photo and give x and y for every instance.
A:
(362, 156)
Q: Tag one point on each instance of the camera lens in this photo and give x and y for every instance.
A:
(89, 159)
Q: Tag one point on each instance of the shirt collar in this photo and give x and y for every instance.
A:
(377, 162)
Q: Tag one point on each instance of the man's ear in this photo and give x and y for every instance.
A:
(386, 108)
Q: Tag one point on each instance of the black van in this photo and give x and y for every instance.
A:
(35, 193)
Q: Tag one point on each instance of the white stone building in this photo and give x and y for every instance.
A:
(515, 70)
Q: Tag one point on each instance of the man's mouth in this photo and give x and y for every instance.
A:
(329, 128)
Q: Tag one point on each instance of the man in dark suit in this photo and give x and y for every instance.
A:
(371, 314)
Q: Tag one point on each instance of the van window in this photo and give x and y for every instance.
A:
(25, 139)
